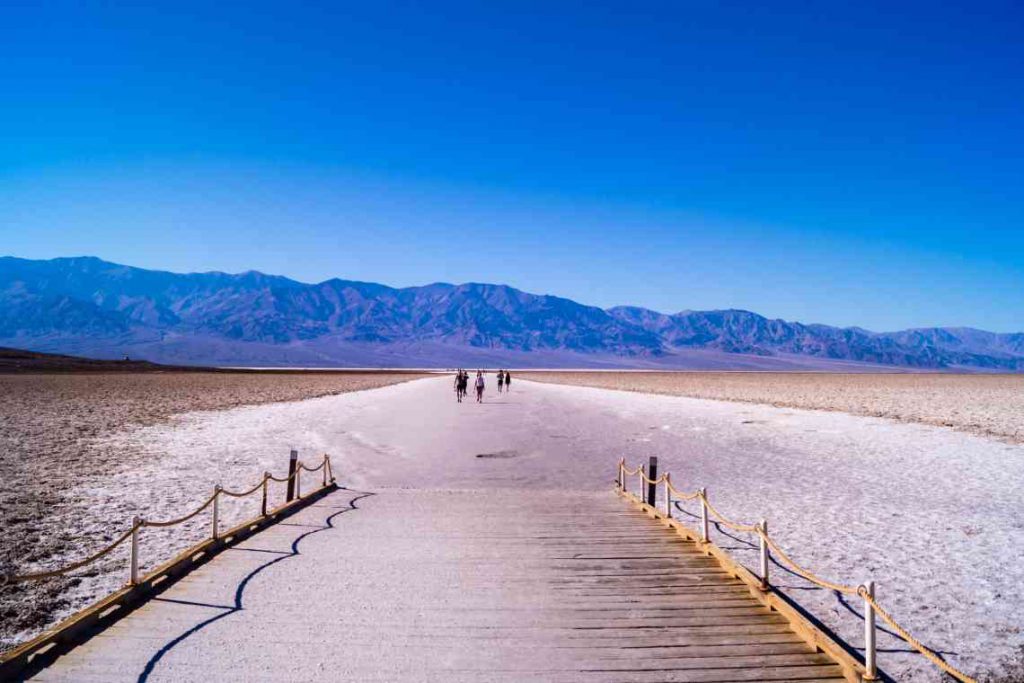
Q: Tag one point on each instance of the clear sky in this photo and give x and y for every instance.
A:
(845, 163)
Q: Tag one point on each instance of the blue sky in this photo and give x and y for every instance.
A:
(818, 162)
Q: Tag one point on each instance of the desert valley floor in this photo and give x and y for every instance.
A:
(930, 513)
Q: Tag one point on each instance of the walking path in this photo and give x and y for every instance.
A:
(850, 497)
(453, 586)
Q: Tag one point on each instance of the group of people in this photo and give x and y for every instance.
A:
(462, 384)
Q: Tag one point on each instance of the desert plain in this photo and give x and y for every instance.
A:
(912, 480)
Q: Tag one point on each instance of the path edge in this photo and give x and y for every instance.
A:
(31, 657)
(810, 632)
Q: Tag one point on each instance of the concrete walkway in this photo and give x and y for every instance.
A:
(427, 585)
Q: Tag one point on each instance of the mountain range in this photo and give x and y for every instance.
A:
(91, 307)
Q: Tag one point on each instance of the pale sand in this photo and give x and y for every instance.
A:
(982, 404)
(931, 514)
(51, 426)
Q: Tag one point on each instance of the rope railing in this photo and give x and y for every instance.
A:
(138, 523)
(38, 576)
(247, 492)
(769, 547)
(181, 520)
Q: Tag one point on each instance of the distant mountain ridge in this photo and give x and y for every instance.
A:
(87, 305)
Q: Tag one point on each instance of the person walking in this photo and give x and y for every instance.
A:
(508, 381)
(479, 387)
(458, 386)
(501, 380)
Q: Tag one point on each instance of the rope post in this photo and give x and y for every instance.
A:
(216, 510)
(763, 536)
(870, 666)
(133, 572)
(298, 473)
(641, 473)
(329, 468)
(324, 463)
(704, 536)
(292, 460)
(618, 475)
(668, 496)
(652, 488)
(263, 503)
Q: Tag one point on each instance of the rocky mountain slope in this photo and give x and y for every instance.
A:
(86, 305)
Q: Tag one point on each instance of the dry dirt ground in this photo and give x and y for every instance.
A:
(53, 429)
(991, 405)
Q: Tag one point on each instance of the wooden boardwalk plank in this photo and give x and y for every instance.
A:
(455, 586)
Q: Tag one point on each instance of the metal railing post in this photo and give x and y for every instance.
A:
(133, 572)
(763, 536)
(704, 536)
(652, 488)
(870, 665)
(263, 503)
(216, 510)
(293, 458)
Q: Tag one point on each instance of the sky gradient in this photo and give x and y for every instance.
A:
(851, 166)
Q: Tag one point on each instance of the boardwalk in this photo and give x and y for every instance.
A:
(421, 585)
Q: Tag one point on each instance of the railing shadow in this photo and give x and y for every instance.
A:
(243, 584)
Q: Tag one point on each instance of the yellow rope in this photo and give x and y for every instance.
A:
(284, 479)
(725, 521)
(143, 523)
(912, 641)
(813, 578)
(679, 495)
(174, 522)
(74, 566)
(629, 473)
(243, 494)
(652, 481)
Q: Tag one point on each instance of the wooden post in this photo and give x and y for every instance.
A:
(668, 495)
(263, 504)
(133, 574)
(703, 515)
(640, 480)
(298, 475)
(618, 477)
(291, 479)
(870, 667)
(652, 488)
(329, 468)
(763, 536)
(324, 463)
(216, 510)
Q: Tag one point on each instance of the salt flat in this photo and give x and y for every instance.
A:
(930, 514)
